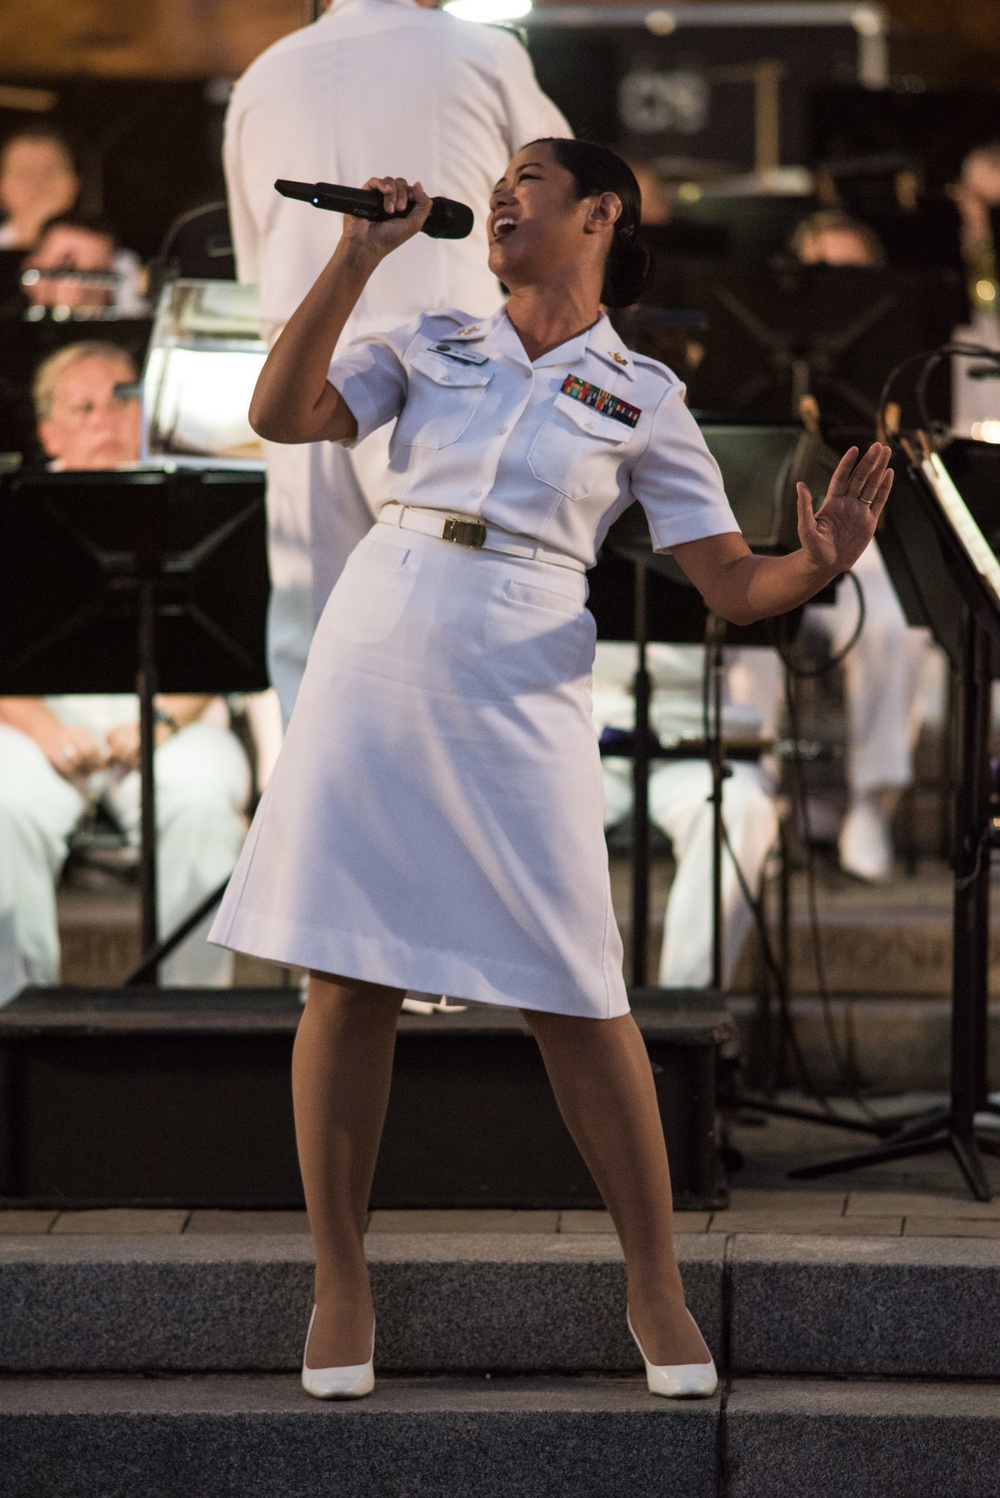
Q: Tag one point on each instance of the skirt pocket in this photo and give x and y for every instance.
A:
(372, 592)
(537, 638)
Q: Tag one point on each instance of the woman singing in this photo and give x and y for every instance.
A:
(435, 818)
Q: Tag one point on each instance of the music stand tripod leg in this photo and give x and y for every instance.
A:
(881, 1155)
(152, 958)
(640, 789)
(965, 1148)
(715, 636)
(146, 687)
(954, 1128)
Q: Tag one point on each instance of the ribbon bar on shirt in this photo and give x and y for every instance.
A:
(600, 400)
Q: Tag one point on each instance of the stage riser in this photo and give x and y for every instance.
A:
(919, 1308)
(547, 1438)
(197, 1109)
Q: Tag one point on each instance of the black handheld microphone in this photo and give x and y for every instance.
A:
(446, 220)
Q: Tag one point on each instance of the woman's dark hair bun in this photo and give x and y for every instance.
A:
(597, 169)
(626, 273)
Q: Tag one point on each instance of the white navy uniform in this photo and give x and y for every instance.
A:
(372, 87)
(435, 818)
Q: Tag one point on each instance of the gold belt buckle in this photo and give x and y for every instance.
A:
(464, 532)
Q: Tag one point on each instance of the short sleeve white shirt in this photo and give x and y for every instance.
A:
(553, 450)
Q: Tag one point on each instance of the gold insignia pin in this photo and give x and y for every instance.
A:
(619, 358)
(462, 331)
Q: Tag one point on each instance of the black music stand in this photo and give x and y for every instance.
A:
(142, 580)
(778, 333)
(662, 607)
(637, 594)
(926, 523)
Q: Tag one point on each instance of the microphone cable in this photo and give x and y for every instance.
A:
(842, 1065)
(812, 673)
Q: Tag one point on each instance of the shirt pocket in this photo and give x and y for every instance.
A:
(443, 397)
(576, 447)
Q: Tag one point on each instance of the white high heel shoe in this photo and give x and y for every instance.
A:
(351, 1382)
(679, 1380)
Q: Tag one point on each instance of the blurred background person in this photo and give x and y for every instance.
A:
(372, 86)
(884, 671)
(833, 237)
(652, 191)
(667, 231)
(87, 409)
(38, 181)
(976, 401)
(73, 242)
(61, 757)
(977, 197)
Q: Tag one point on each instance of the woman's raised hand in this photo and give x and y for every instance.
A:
(835, 536)
(387, 235)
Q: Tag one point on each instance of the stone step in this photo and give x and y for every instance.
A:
(804, 1439)
(896, 1307)
(254, 1437)
(890, 1044)
(593, 1437)
(508, 1302)
(503, 1303)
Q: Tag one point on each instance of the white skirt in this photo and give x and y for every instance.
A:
(435, 818)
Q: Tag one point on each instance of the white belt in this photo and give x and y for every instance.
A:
(464, 530)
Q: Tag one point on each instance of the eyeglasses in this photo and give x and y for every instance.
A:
(79, 411)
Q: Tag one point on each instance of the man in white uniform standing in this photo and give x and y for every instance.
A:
(372, 86)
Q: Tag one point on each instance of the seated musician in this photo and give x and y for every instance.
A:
(887, 668)
(833, 237)
(679, 804)
(61, 756)
(885, 671)
(975, 402)
(37, 181)
(73, 242)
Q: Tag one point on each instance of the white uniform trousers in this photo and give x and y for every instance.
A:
(679, 805)
(319, 505)
(202, 784)
(883, 676)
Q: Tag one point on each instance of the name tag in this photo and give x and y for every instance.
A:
(600, 400)
(460, 355)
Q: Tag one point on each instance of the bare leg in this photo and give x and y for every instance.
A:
(341, 1071)
(603, 1082)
